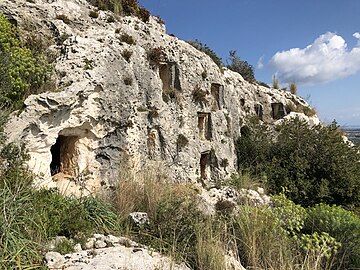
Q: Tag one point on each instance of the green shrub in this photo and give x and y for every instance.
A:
(143, 14)
(205, 49)
(319, 250)
(313, 164)
(290, 215)
(343, 226)
(123, 7)
(240, 66)
(253, 146)
(263, 84)
(21, 72)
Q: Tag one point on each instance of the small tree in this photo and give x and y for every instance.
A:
(240, 66)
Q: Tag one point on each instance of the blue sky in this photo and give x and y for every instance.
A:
(315, 43)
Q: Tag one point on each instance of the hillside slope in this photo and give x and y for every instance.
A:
(126, 94)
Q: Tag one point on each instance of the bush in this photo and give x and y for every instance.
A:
(155, 55)
(205, 49)
(94, 14)
(127, 39)
(312, 164)
(199, 96)
(123, 7)
(21, 72)
(242, 67)
(263, 84)
(340, 224)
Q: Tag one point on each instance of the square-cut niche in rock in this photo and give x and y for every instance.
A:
(204, 125)
(259, 111)
(205, 165)
(217, 93)
(169, 75)
(278, 110)
(64, 155)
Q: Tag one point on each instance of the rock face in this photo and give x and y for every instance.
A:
(126, 93)
(115, 253)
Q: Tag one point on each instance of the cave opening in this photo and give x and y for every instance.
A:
(63, 155)
(216, 92)
(204, 126)
(259, 111)
(278, 111)
(169, 75)
(204, 164)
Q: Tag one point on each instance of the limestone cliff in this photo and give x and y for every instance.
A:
(125, 92)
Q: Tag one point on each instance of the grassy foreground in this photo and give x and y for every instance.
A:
(284, 236)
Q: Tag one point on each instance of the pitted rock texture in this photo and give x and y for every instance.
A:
(113, 253)
(111, 106)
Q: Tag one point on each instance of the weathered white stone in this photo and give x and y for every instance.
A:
(98, 121)
(232, 263)
(77, 247)
(90, 243)
(111, 239)
(253, 197)
(100, 244)
(54, 260)
(127, 242)
(139, 218)
(119, 257)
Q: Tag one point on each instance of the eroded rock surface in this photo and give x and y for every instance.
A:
(112, 105)
(113, 253)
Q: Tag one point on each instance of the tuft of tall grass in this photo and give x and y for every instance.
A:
(210, 246)
(261, 242)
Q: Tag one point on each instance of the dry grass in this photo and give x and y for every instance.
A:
(210, 247)
(144, 191)
(199, 96)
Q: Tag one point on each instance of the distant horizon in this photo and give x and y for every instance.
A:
(351, 127)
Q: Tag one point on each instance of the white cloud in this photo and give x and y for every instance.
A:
(326, 59)
(260, 63)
